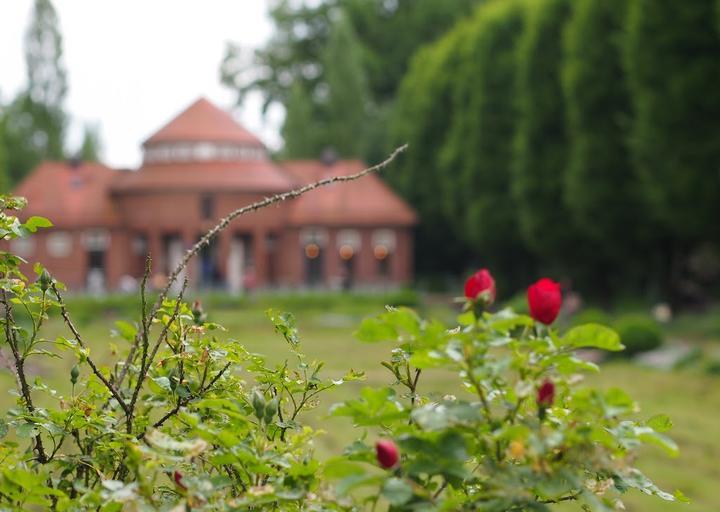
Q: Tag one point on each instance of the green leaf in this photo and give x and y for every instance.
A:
(35, 222)
(592, 336)
(26, 430)
(373, 330)
(660, 423)
(125, 330)
(648, 435)
(397, 491)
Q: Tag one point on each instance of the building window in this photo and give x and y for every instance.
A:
(313, 240)
(23, 247)
(384, 242)
(207, 207)
(59, 244)
(96, 239)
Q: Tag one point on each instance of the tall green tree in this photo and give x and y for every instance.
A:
(299, 131)
(389, 33)
(541, 136)
(601, 189)
(347, 101)
(479, 149)
(91, 145)
(4, 175)
(422, 118)
(673, 65)
(36, 121)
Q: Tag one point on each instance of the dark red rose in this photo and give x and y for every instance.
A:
(546, 393)
(177, 476)
(544, 299)
(387, 453)
(481, 282)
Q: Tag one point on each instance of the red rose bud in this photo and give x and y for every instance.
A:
(546, 394)
(544, 299)
(481, 282)
(177, 476)
(387, 453)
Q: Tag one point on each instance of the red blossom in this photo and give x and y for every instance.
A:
(546, 393)
(481, 282)
(387, 453)
(544, 299)
(177, 476)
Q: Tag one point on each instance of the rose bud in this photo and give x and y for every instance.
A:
(199, 315)
(546, 394)
(387, 453)
(481, 284)
(544, 299)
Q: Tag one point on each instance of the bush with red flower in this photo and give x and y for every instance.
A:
(519, 432)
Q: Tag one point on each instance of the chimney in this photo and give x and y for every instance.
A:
(329, 156)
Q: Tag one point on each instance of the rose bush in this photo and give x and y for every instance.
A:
(184, 419)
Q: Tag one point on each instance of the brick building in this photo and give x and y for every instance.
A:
(196, 169)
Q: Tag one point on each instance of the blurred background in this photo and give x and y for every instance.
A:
(578, 139)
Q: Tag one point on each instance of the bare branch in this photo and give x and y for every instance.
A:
(91, 363)
(142, 336)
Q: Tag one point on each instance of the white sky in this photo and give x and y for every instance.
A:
(133, 64)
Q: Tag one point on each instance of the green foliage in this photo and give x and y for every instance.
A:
(601, 189)
(639, 333)
(300, 129)
(541, 137)
(423, 116)
(479, 148)
(348, 99)
(184, 418)
(91, 146)
(591, 315)
(672, 50)
(388, 35)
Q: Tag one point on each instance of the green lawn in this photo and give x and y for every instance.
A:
(692, 398)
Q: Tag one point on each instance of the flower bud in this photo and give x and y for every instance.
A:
(74, 374)
(271, 410)
(198, 313)
(544, 298)
(387, 453)
(481, 285)
(258, 403)
(44, 280)
(546, 394)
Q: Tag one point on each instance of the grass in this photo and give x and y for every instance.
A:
(326, 323)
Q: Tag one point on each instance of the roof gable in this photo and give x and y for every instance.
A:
(70, 195)
(365, 202)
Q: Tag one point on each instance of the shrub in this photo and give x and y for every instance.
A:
(592, 315)
(639, 333)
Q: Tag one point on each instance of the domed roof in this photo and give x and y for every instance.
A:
(204, 121)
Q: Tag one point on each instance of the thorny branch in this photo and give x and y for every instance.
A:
(20, 372)
(66, 317)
